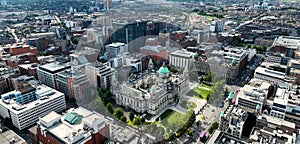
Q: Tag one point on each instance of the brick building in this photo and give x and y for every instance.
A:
(20, 48)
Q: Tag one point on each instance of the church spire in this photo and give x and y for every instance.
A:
(150, 64)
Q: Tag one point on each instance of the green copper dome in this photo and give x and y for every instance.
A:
(73, 118)
(163, 70)
(150, 61)
(196, 55)
(222, 114)
(230, 95)
(233, 62)
(113, 77)
(258, 106)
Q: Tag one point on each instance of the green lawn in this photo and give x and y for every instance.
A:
(210, 18)
(205, 85)
(129, 122)
(174, 120)
(199, 93)
(188, 105)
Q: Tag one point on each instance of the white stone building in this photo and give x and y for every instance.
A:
(24, 107)
(181, 58)
(150, 92)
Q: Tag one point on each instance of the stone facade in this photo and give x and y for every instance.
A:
(151, 91)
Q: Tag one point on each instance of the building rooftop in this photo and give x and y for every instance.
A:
(277, 121)
(9, 137)
(75, 126)
(43, 95)
(50, 117)
(153, 48)
(288, 41)
(182, 53)
(116, 45)
(54, 66)
(270, 73)
(219, 137)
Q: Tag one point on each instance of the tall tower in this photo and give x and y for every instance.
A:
(107, 4)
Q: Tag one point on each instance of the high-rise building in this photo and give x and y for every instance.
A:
(217, 26)
(26, 105)
(99, 75)
(107, 4)
(287, 45)
(114, 49)
(131, 33)
(74, 84)
(47, 73)
(254, 95)
(232, 121)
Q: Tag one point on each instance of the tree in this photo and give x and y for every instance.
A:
(213, 127)
(198, 123)
(109, 107)
(137, 120)
(118, 113)
(190, 132)
(131, 116)
(4, 129)
(98, 104)
(123, 118)
(208, 77)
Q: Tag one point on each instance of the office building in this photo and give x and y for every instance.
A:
(107, 4)
(26, 105)
(253, 96)
(271, 75)
(272, 130)
(226, 63)
(287, 45)
(232, 120)
(132, 33)
(76, 126)
(114, 49)
(21, 48)
(84, 127)
(285, 104)
(154, 27)
(74, 84)
(274, 58)
(135, 61)
(99, 75)
(294, 70)
(217, 26)
(47, 73)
